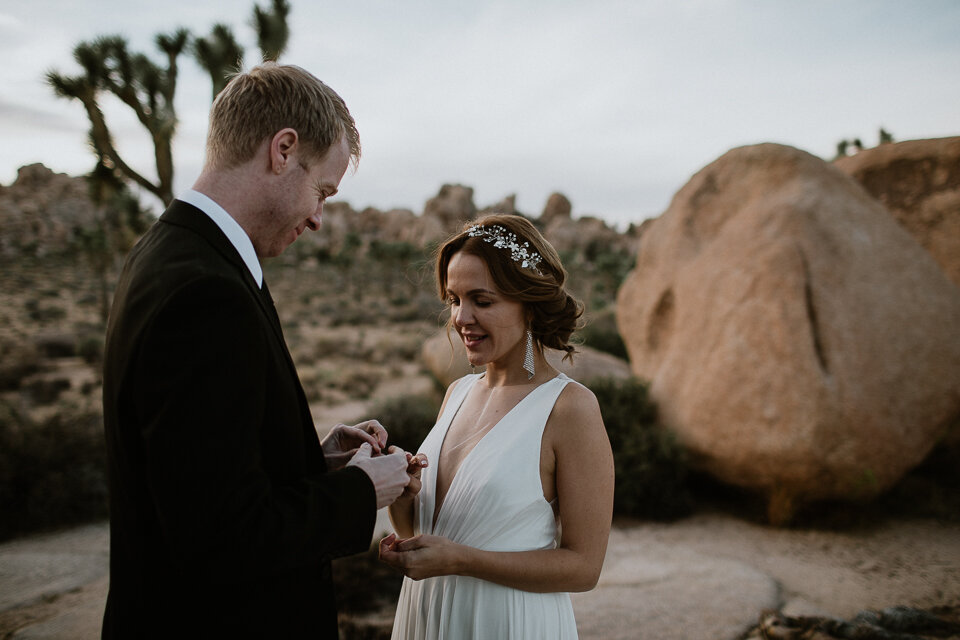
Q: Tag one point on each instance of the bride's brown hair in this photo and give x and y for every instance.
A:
(552, 312)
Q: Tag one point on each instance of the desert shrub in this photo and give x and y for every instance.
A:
(650, 464)
(344, 315)
(52, 473)
(56, 345)
(90, 348)
(360, 383)
(367, 593)
(45, 390)
(326, 347)
(18, 359)
(601, 333)
(401, 347)
(408, 419)
(364, 583)
(45, 313)
(611, 268)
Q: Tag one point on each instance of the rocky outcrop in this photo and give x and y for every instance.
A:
(41, 212)
(586, 235)
(507, 205)
(919, 182)
(446, 359)
(557, 207)
(797, 339)
(445, 214)
(451, 208)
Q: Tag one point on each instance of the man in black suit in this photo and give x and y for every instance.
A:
(226, 508)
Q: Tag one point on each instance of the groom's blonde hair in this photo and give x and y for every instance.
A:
(270, 97)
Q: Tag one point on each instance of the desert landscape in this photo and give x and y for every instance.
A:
(811, 476)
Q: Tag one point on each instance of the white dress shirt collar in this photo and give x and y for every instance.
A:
(231, 228)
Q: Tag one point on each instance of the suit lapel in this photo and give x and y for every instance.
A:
(185, 215)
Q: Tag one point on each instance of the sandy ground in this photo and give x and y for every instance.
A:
(708, 576)
(711, 575)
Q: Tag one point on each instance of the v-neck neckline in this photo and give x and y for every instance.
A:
(456, 474)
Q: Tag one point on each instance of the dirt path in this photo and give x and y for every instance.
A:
(708, 576)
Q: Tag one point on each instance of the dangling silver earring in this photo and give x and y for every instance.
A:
(528, 363)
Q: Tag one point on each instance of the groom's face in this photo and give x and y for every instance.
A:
(298, 195)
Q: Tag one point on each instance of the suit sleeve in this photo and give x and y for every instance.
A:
(203, 368)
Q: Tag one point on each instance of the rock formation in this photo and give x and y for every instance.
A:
(919, 182)
(558, 206)
(446, 213)
(446, 359)
(41, 212)
(796, 338)
(451, 208)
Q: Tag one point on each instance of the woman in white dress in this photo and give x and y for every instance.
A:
(517, 451)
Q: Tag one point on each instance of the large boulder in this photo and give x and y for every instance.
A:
(919, 182)
(446, 359)
(797, 339)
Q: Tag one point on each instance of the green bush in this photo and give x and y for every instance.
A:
(52, 473)
(365, 584)
(90, 348)
(18, 359)
(650, 465)
(408, 419)
(601, 333)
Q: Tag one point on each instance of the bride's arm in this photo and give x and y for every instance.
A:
(401, 511)
(584, 477)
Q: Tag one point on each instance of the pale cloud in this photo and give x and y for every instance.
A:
(615, 103)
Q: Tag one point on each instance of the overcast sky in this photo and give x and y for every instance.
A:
(616, 104)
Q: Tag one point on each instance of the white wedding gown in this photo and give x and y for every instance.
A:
(495, 502)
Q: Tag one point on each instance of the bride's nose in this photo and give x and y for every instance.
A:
(463, 316)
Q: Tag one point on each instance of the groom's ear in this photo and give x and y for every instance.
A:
(283, 145)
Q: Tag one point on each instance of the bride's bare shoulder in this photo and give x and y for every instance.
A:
(576, 410)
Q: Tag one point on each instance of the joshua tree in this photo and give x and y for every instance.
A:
(148, 89)
(220, 54)
(145, 87)
(272, 30)
(842, 148)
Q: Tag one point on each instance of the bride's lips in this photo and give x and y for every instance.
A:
(472, 339)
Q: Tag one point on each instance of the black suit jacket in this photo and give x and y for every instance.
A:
(223, 517)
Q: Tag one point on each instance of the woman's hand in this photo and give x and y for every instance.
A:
(401, 511)
(415, 465)
(342, 442)
(422, 556)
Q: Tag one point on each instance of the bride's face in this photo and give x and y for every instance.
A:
(491, 326)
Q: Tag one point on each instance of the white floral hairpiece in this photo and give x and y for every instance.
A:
(502, 239)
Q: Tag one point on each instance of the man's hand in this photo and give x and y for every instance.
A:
(342, 442)
(387, 472)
